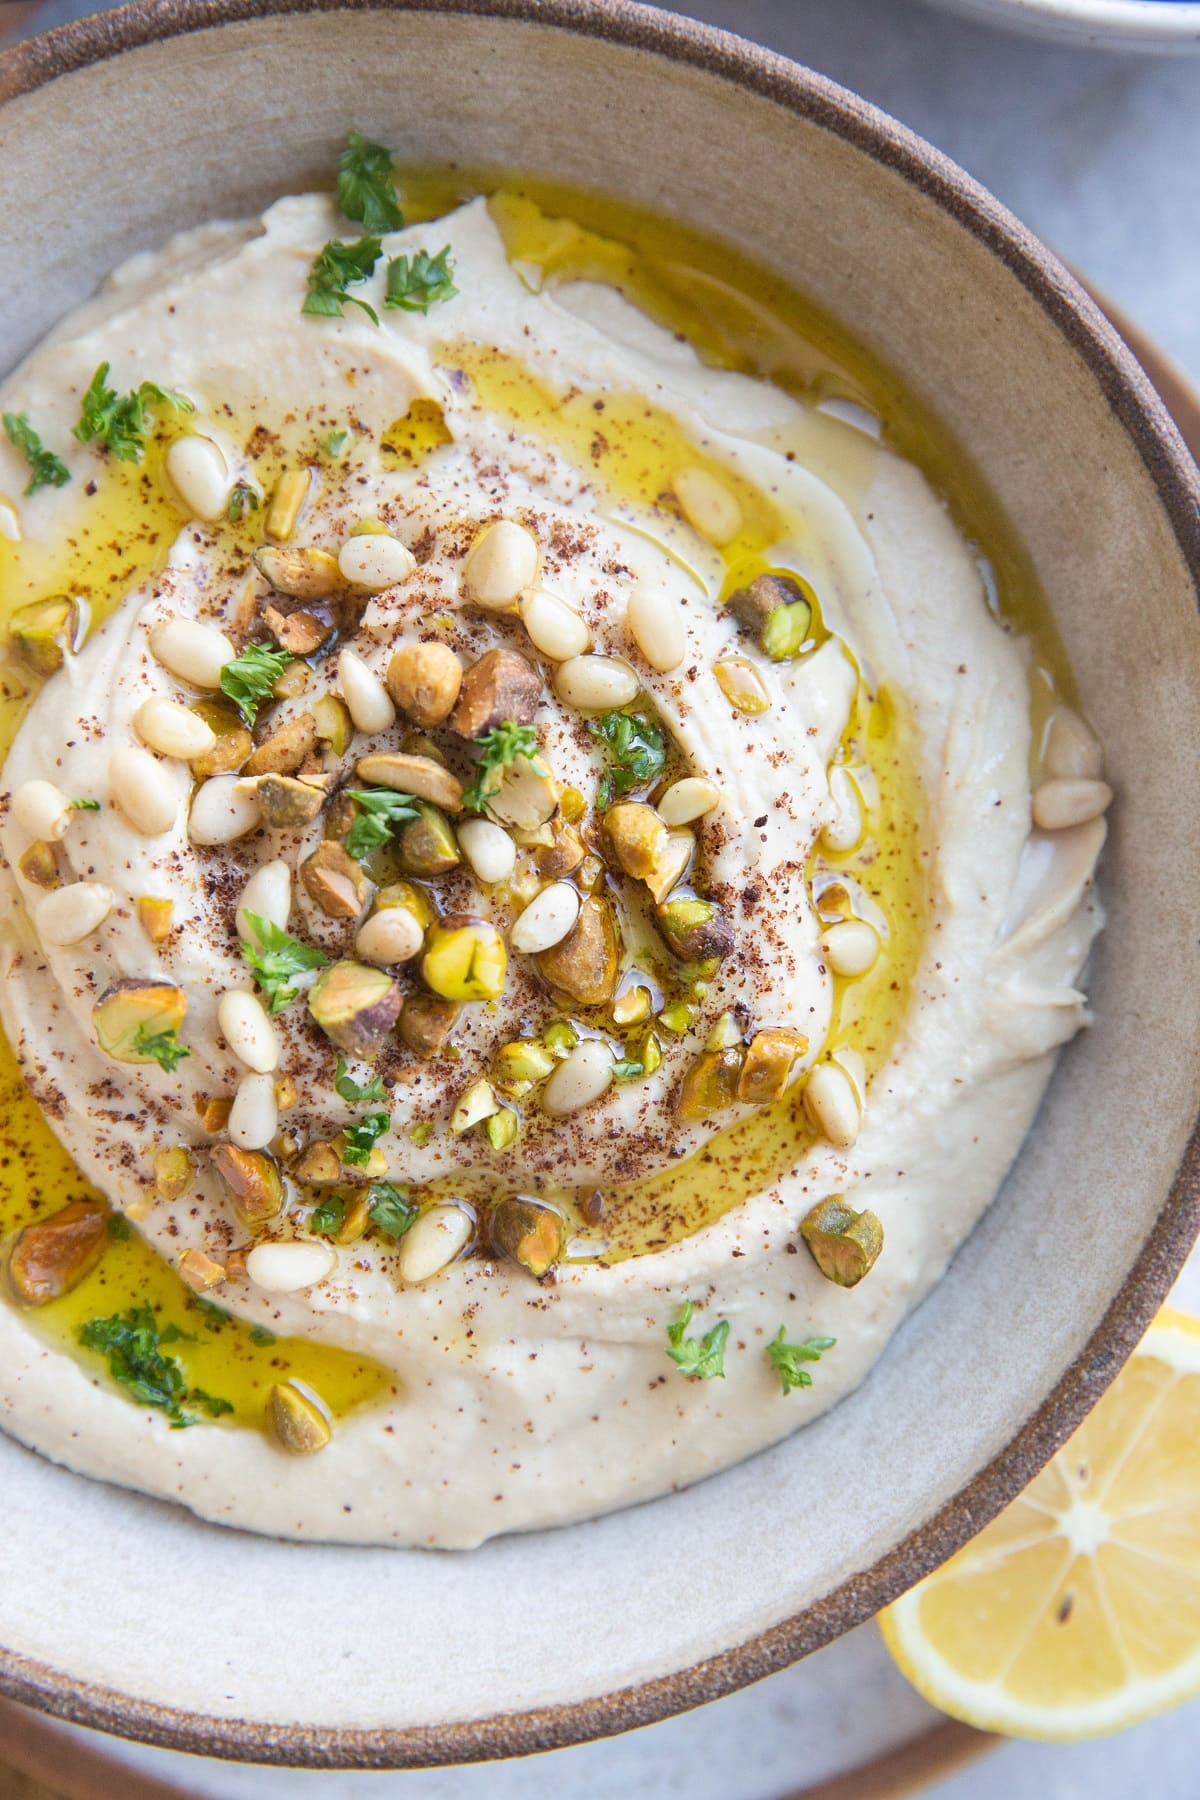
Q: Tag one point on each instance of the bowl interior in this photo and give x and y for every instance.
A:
(130, 1614)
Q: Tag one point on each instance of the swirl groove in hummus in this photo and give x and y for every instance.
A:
(722, 1071)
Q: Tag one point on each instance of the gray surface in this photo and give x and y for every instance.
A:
(1101, 156)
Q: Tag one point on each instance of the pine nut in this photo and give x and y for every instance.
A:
(391, 936)
(375, 560)
(70, 914)
(370, 703)
(199, 474)
(503, 560)
(547, 919)
(595, 683)
(248, 1031)
(173, 729)
(291, 491)
(832, 1105)
(687, 800)
(554, 628)
(223, 809)
(144, 790)
(478, 1103)
(742, 685)
(430, 1245)
(579, 1079)
(42, 810)
(1071, 749)
(488, 848)
(267, 893)
(195, 653)
(655, 623)
(254, 1115)
(1068, 801)
(285, 1268)
(708, 505)
(845, 828)
(850, 947)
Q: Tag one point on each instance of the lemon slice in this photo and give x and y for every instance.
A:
(1077, 1611)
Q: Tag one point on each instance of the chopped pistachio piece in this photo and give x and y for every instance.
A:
(530, 1232)
(296, 1422)
(845, 1244)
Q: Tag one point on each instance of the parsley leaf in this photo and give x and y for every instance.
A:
(500, 747)
(327, 1218)
(242, 499)
(786, 1359)
(133, 1343)
(350, 1089)
(335, 443)
(637, 751)
(698, 1358)
(119, 1227)
(338, 267)
(260, 1335)
(366, 189)
(163, 1046)
(121, 421)
(276, 958)
(80, 805)
(48, 470)
(362, 1137)
(416, 283)
(380, 811)
(249, 678)
(390, 1210)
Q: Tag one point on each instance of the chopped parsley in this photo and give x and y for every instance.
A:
(390, 1210)
(243, 499)
(133, 1343)
(351, 1090)
(338, 267)
(698, 1358)
(47, 470)
(327, 1218)
(163, 1047)
(261, 1336)
(121, 421)
(380, 811)
(500, 747)
(250, 677)
(362, 1136)
(366, 185)
(119, 1227)
(214, 1316)
(81, 805)
(788, 1359)
(276, 959)
(335, 443)
(637, 752)
(418, 282)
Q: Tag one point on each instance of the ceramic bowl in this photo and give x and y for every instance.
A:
(1155, 26)
(131, 1615)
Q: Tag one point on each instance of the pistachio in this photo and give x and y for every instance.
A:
(356, 1221)
(502, 688)
(584, 966)
(306, 574)
(199, 1270)
(636, 836)
(233, 742)
(530, 1232)
(254, 1182)
(320, 1165)
(300, 633)
(172, 1172)
(695, 930)
(297, 1423)
(520, 1065)
(427, 845)
(355, 1005)
(335, 881)
(769, 1062)
(671, 866)
(424, 680)
(477, 1103)
(287, 804)
(563, 855)
(425, 1023)
(292, 682)
(632, 1005)
(334, 725)
(416, 775)
(131, 1012)
(45, 631)
(213, 1111)
(526, 799)
(501, 1128)
(710, 1084)
(742, 685)
(776, 613)
(52, 1256)
(845, 1244)
(39, 865)
(155, 917)
(412, 898)
(287, 502)
(283, 752)
(465, 959)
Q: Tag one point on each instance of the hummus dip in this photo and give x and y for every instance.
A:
(542, 911)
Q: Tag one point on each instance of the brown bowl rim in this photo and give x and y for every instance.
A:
(1135, 403)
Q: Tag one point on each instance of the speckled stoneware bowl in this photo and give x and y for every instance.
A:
(131, 1615)
(1156, 27)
